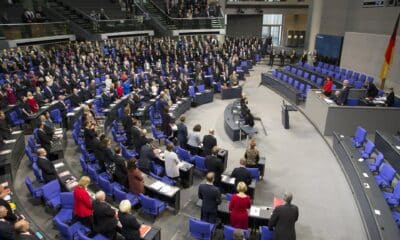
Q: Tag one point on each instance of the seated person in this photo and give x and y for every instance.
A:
(372, 90)
(241, 174)
(340, 97)
(22, 230)
(389, 98)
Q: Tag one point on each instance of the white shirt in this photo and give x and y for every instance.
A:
(171, 164)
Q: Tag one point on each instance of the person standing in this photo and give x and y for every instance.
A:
(182, 133)
(241, 174)
(209, 141)
(283, 219)
(104, 217)
(215, 165)
(171, 162)
(130, 226)
(83, 210)
(135, 179)
(194, 140)
(49, 172)
(238, 207)
(211, 197)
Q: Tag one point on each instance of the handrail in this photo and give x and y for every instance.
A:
(28, 24)
(178, 19)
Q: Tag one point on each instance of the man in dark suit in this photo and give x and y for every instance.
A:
(241, 174)
(341, 98)
(22, 229)
(211, 197)
(121, 172)
(283, 219)
(182, 132)
(44, 139)
(390, 98)
(6, 229)
(215, 165)
(49, 172)
(5, 130)
(209, 141)
(147, 155)
(104, 218)
(372, 90)
(75, 98)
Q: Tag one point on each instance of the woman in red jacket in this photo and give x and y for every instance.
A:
(327, 88)
(82, 203)
(32, 102)
(238, 207)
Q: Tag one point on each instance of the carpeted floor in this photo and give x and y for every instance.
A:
(298, 160)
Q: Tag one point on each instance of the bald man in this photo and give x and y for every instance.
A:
(209, 141)
(6, 229)
(49, 172)
(22, 229)
(104, 217)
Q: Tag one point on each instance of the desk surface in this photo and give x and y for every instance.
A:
(389, 145)
(160, 187)
(373, 208)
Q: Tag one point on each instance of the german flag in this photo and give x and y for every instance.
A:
(389, 54)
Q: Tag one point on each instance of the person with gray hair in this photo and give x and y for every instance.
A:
(104, 217)
(130, 226)
(284, 218)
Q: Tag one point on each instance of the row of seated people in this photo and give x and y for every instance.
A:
(48, 74)
(385, 174)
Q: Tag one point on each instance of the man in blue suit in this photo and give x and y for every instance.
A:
(211, 197)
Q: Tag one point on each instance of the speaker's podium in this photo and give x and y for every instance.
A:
(285, 113)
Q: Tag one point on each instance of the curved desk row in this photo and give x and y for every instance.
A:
(338, 83)
(375, 212)
(389, 145)
(231, 120)
(288, 91)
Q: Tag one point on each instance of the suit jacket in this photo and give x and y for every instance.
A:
(5, 131)
(283, 221)
(10, 215)
(344, 94)
(75, 100)
(146, 156)
(121, 172)
(214, 164)
(49, 172)
(6, 231)
(241, 174)
(44, 139)
(103, 217)
(182, 134)
(130, 226)
(90, 139)
(211, 197)
(390, 99)
(209, 141)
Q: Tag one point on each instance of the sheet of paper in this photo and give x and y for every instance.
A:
(16, 132)
(58, 165)
(398, 147)
(10, 141)
(166, 189)
(70, 114)
(232, 180)
(361, 159)
(365, 175)
(377, 212)
(255, 211)
(366, 185)
(157, 185)
(4, 152)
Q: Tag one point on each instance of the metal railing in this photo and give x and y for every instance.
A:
(119, 25)
(191, 23)
(33, 30)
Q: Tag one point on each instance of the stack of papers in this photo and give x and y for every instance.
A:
(254, 211)
(4, 152)
(166, 189)
(16, 132)
(10, 141)
(157, 185)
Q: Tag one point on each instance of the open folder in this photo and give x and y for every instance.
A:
(144, 229)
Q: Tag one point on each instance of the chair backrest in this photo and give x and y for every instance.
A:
(29, 185)
(119, 194)
(369, 147)
(67, 200)
(200, 162)
(379, 159)
(201, 88)
(387, 172)
(51, 189)
(105, 185)
(82, 236)
(64, 229)
(352, 102)
(93, 174)
(396, 190)
(37, 172)
(228, 232)
(360, 135)
(148, 204)
(200, 229)
(183, 154)
(191, 91)
(255, 173)
(319, 81)
(83, 164)
(228, 196)
(32, 157)
(55, 115)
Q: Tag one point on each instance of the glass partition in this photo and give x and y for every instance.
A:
(121, 25)
(33, 30)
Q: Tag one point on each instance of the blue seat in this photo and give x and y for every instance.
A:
(157, 134)
(266, 234)
(32, 144)
(105, 185)
(301, 87)
(67, 207)
(313, 78)
(156, 169)
(118, 137)
(201, 88)
(82, 236)
(359, 137)
(295, 84)
(396, 217)
(228, 196)
(358, 84)
(370, 79)
(352, 102)
(51, 194)
(374, 167)
(120, 194)
(94, 177)
(386, 175)
(228, 232)
(200, 230)
(38, 173)
(127, 153)
(32, 156)
(393, 198)
(183, 154)
(69, 232)
(36, 192)
(192, 93)
(78, 139)
(285, 77)
(368, 149)
(306, 75)
(319, 81)
(55, 115)
(199, 163)
(290, 81)
(15, 119)
(255, 173)
(83, 164)
(89, 157)
(152, 206)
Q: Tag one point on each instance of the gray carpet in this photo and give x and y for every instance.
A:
(298, 160)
